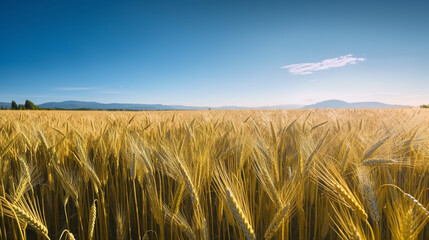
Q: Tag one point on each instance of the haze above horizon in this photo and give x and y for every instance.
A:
(215, 53)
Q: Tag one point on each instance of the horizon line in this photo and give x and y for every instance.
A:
(226, 106)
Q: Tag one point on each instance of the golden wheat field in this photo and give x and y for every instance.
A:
(298, 174)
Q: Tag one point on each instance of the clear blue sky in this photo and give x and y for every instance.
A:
(214, 53)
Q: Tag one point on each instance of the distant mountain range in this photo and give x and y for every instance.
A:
(290, 106)
(341, 104)
(70, 105)
(129, 106)
(114, 106)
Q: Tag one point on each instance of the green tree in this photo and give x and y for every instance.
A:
(424, 106)
(29, 105)
(14, 106)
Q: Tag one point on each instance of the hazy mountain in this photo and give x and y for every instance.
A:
(70, 105)
(4, 104)
(130, 106)
(342, 104)
(291, 106)
(114, 106)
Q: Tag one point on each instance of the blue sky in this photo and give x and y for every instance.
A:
(214, 53)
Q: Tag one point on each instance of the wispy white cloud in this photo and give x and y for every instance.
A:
(73, 89)
(309, 68)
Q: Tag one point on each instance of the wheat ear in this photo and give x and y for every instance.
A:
(335, 184)
(267, 182)
(178, 220)
(178, 198)
(24, 181)
(239, 215)
(356, 235)
(92, 218)
(189, 184)
(120, 224)
(195, 200)
(375, 147)
(371, 201)
(407, 225)
(412, 199)
(351, 200)
(318, 125)
(276, 222)
(378, 162)
(27, 217)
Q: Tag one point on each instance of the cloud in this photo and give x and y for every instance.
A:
(73, 89)
(309, 68)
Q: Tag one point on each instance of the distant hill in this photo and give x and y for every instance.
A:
(129, 106)
(81, 105)
(342, 104)
(5, 105)
(291, 106)
(114, 106)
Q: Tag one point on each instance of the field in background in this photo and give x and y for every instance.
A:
(301, 174)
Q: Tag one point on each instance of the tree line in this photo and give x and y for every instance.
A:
(28, 105)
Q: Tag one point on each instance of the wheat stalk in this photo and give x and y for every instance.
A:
(133, 167)
(68, 235)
